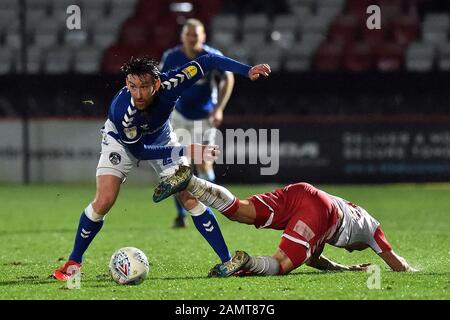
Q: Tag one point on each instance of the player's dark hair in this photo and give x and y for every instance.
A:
(140, 66)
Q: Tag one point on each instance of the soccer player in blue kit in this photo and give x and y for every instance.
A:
(138, 128)
(200, 108)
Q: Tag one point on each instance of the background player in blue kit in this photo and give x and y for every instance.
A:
(202, 104)
(138, 128)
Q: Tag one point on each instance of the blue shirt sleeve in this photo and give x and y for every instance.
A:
(176, 81)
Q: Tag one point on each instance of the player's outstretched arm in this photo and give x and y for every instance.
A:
(397, 263)
(176, 81)
(323, 263)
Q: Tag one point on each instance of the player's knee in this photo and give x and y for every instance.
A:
(103, 204)
(187, 200)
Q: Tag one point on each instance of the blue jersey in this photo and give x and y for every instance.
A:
(143, 131)
(199, 100)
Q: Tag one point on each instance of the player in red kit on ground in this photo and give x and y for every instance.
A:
(310, 219)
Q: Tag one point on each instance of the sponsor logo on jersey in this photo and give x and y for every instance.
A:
(115, 158)
(190, 71)
(130, 133)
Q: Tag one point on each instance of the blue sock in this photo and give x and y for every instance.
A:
(87, 229)
(180, 209)
(208, 226)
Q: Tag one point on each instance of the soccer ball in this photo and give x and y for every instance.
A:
(128, 266)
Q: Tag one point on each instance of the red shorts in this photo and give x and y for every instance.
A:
(307, 215)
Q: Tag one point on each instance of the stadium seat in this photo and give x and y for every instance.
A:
(375, 37)
(207, 9)
(330, 8)
(47, 33)
(121, 14)
(238, 52)
(96, 5)
(34, 60)
(7, 16)
(315, 25)
(331, 3)
(167, 34)
(358, 57)
(87, 60)
(222, 39)
(405, 29)
(253, 40)
(271, 55)
(9, 4)
(62, 5)
(420, 57)
(285, 22)
(298, 58)
(344, 29)
(225, 23)
(283, 39)
(35, 17)
(436, 22)
(12, 36)
(90, 16)
(58, 60)
(313, 40)
(301, 12)
(255, 23)
(358, 7)
(389, 57)
(134, 33)
(114, 57)
(7, 59)
(444, 57)
(329, 57)
(75, 38)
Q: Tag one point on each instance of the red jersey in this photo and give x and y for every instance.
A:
(308, 216)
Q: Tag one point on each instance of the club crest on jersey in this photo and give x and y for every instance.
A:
(130, 133)
(190, 71)
(115, 158)
(122, 264)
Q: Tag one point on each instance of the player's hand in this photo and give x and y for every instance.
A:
(411, 269)
(200, 152)
(259, 70)
(359, 267)
(216, 117)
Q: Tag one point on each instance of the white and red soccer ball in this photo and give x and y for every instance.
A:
(128, 265)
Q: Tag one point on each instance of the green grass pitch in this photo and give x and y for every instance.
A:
(38, 223)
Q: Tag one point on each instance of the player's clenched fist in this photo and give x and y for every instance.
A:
(200, 152)
(259, 69)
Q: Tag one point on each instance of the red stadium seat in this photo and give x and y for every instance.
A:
(152, 51)
(374, 37)
(135, 33)
(344, 29)
(206, 9)
(389, 57)
(114, 57)
(329, 57)
(358, 57)
(358, 7)
(405, 29)
(165, 35)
